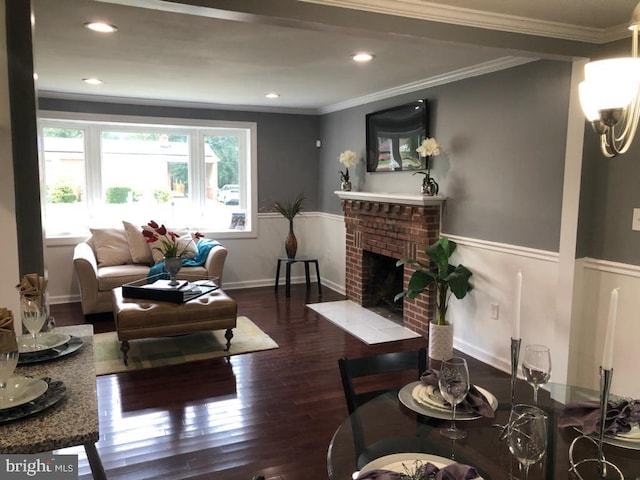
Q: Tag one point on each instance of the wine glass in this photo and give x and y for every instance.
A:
(527, 435)
(8, 362)
(536, 367)
(454, 386)
(33, 317)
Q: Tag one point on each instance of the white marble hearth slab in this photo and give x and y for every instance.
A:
(362, 323)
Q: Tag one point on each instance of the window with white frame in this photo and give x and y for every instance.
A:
(183, 174)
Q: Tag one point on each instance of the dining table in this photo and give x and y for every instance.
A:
(66, 415)
(409, 429)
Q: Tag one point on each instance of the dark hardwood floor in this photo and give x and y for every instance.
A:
(271, 413)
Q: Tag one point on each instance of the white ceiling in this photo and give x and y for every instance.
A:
(169, 52)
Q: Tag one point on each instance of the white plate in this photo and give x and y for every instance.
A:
(45, 341)
(21, 390)
(432, 409)
(401, 462)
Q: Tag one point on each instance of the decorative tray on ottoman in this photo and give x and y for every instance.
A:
(157, 287)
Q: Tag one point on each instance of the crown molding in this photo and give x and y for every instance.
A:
(435, 12)
(476, 70)
(79, 97)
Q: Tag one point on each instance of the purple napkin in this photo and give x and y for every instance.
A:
(474, 403)
(426, 471)
(621, 414)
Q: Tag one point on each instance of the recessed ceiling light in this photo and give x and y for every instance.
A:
(92, 81)
(362, 57)
(101, 27)
(272, 95)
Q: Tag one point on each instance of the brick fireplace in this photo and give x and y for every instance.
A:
(395, 226)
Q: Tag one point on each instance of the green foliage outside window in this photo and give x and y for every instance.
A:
(226, 148)
(162, 195)
(63, 194)
(117, 194)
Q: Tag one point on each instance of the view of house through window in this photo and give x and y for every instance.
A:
(185, 177)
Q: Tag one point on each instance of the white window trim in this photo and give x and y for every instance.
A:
(249, 195)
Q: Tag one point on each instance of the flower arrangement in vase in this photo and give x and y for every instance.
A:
(289, 211)
(170, 245)
(429, 148)
(348, 158)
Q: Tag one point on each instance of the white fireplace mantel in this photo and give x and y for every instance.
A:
(401, 198)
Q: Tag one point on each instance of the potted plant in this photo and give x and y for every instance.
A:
(289, 210)
(446, 279)
(348, 158)
(429, 148)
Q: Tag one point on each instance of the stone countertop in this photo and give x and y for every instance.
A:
(73, 420)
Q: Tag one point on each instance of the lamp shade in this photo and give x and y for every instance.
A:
(586, 101)
(610, 84)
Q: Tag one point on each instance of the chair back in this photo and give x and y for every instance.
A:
(351, 368)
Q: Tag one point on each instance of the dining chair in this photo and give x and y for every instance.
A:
(374, 365)
(352, 368)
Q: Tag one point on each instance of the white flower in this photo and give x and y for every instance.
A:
(429, 148)
(348, 158)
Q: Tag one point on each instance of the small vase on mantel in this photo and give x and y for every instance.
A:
(173, 266)
(440, 342)
(345, 186)
(291, 243)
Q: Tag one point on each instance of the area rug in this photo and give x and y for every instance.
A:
(362, 323)
(158, 352)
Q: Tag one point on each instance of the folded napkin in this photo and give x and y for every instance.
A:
(426, 471)
(33, 286)
(8, 342)
(621, 415)
(474, 403)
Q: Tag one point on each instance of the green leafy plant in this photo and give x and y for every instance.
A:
(117, 194)
(63, 194)
(162, 195)
(447, 278)
(289, 210)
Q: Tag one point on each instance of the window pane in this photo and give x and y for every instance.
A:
(224, 204)
(64, 170)
(145, 174)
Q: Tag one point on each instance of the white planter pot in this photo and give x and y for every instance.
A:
(440, 341)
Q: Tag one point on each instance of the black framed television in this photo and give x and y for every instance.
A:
(393, 136)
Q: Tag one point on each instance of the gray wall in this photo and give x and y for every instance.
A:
(287, 155)
(504, 138)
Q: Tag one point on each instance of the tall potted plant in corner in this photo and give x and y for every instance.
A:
(289, 210)
(446, 279)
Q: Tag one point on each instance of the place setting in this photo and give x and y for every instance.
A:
(448, 395)
(38, 345)
(21, 396)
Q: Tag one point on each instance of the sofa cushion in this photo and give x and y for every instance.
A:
(117, 275)
(111, 246)
(138, 246)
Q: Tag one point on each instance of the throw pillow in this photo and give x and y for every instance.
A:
(138, 246)
(112, 247)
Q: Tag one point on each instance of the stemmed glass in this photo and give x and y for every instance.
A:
(33, 317)
(8, 362)
(527, 435)
(454, 386)
(536, 367)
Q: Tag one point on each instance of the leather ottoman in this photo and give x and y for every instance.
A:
(140, 318)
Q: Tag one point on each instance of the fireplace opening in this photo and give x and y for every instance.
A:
(383, 281)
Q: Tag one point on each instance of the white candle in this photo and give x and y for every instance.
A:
(516, 335)
(610, 333)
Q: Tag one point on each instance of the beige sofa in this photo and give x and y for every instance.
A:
(109, 258)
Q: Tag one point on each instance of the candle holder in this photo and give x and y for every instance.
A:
(602, 463)
(515, 357)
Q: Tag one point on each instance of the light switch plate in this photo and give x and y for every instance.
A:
(635, 224)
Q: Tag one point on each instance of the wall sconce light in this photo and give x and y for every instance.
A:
(610, 96)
